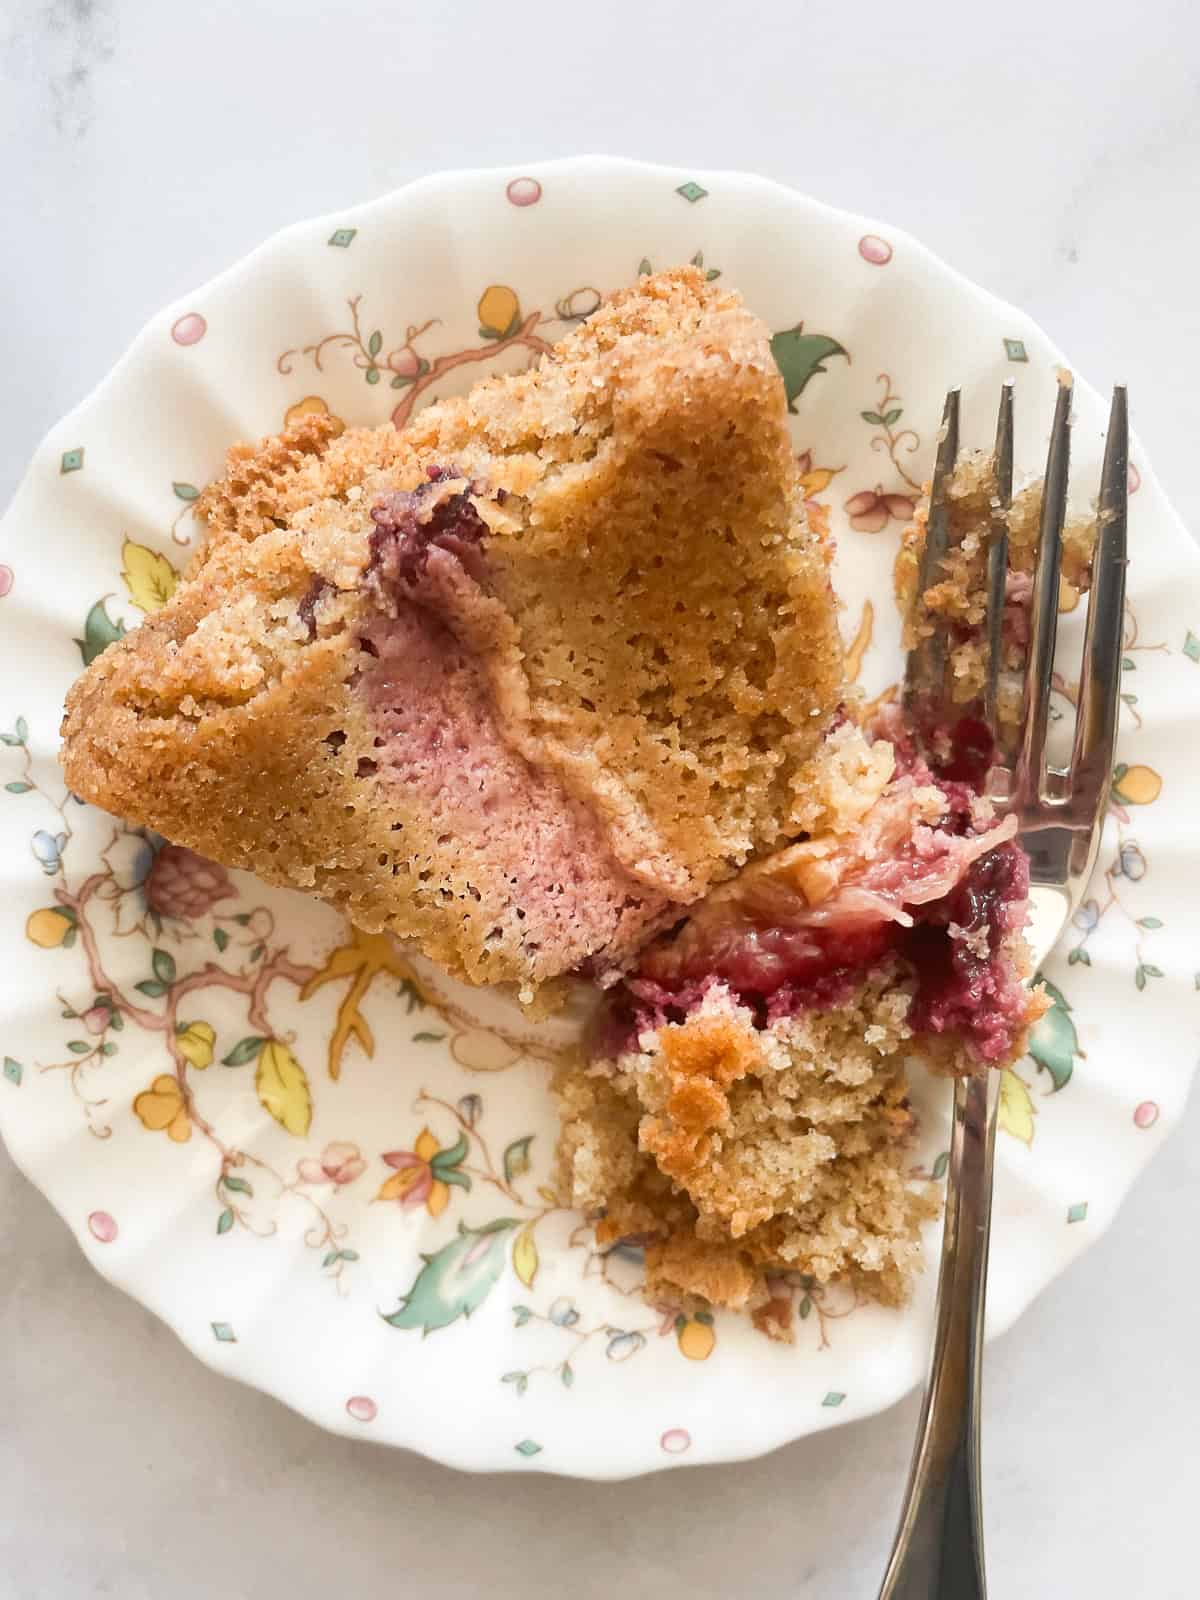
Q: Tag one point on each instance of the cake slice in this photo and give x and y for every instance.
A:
(518, 683)
(742, 1110)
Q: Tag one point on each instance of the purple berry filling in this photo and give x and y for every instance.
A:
(407, 529)
(956, 948)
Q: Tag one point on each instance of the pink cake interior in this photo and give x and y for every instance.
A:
(439, 737)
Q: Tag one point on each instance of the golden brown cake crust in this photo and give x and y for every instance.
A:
(738, 1153)
(656, 638)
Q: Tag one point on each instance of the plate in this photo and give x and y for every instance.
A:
(321, 1164)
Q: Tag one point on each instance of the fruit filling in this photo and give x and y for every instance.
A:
(929, 878)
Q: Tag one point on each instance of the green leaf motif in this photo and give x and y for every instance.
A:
(941, 1164)
(18, 788)
(1054, 1043)
(1079, 957)
(457, 1279)
(1191, 646)
(1149, 922)
(245, 1050)
(186, 491)
(372, 374)
(567, 1372)
(644, 267)
(516, 1158)
(331, 1257)
(799, 357)
(238, 1185)
(22, 730)
(519, 1380)
(78, 1047)
(375, 343)
(428, 1038)
(528, 1447)
(446, 1159)
(220, 938)
(522, 1314)
(108, 1048)
(872, 417)
(13, 1071)
(890, 417)
(225, 1221)
(164, 966)
(806, 1308)
(149, 987)
(99, 631)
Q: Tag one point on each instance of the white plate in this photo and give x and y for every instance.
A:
(258, 1237)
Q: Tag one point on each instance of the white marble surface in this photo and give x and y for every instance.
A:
(1051, 155)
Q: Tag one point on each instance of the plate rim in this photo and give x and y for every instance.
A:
(122, 1272)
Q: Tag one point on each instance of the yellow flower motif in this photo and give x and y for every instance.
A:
(695, 1336)
(161, 1107)
(413, 1183)
(311, 406)
(816, 481)
(499, 312)
(1136, 786)
(48, 928)
(194, 1041)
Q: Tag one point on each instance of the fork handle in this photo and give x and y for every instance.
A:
(938, 1553)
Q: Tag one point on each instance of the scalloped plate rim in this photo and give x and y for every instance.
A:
(124, 1272)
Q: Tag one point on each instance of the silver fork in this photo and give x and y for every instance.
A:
(938, 1551)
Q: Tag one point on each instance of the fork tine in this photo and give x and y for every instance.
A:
(1100, 681)
(1039, 668)
(925, 667)
(998, 556)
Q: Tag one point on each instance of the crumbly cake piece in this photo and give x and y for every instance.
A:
(742, 1106)
(517, 683)
(959, 597)
(736, 1153)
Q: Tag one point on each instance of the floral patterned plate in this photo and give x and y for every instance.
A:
(323, 1165)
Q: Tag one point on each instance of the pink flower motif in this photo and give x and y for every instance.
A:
(96, 1019)
(870, 511)
(405, 362)
(339, 1164)
(185, 885)
(6, 580)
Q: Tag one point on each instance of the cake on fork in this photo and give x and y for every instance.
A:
(742, 1108)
